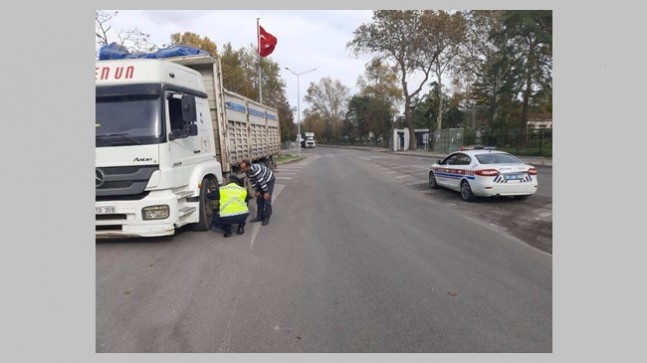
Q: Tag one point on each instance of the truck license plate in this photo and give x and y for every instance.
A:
(105, 210)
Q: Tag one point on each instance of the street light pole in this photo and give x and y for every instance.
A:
(299, 105)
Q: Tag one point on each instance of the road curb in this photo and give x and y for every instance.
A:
(542, 163)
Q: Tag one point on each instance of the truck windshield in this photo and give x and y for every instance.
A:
(128, 120)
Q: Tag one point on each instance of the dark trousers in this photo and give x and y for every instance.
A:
(226, 222)
(264, 207)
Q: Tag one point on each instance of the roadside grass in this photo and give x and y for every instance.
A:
(529, 151)
(285, 158)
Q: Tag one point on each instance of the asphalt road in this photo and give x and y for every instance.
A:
(531, 220)
(355, 259)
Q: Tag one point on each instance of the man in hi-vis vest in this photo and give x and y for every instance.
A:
(232, 206)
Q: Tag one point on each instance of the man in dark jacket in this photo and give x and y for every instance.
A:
(262, 180)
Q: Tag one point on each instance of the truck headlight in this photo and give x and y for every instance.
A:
(155, 212)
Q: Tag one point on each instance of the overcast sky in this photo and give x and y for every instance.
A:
(307, 39)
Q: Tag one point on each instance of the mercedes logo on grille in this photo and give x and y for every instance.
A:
(100, 177)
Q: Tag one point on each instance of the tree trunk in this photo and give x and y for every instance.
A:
(440, 102)
(526, 95)
(524, 112)
(413, 142)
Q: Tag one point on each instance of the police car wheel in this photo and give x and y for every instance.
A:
(432, 181)
(466, 191)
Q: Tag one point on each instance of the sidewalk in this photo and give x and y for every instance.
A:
(532, 160)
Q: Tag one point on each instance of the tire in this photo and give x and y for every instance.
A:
(466, 191)
(206, 205)
(521, 197)
(432, 181)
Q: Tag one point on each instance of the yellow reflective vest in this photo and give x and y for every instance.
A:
(232, 200)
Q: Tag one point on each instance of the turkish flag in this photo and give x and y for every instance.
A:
(267, 43)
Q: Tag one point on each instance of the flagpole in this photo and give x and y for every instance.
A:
(260, 76)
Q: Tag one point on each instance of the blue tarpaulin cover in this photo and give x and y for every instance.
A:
(116, 51)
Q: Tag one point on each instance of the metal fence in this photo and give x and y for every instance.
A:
(447, 140)
(534, 142)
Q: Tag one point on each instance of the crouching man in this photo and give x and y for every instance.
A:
(233, 209)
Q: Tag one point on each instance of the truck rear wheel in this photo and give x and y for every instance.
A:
(206, 205)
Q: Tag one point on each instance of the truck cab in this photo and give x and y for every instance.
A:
(308, 140)
(155, 152)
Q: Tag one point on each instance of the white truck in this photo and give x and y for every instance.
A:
(166, 133)
(308, 140)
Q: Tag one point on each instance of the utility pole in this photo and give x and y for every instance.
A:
(299, 104)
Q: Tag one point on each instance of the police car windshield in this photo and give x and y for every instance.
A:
(128, 120)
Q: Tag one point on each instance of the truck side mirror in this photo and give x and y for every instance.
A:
(191, 129)
(188, 108)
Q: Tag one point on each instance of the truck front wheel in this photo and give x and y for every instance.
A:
(206, 205)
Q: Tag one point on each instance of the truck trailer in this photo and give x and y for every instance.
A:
(167, 132)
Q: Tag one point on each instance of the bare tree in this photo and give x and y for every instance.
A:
(101, 19)
(132, 39)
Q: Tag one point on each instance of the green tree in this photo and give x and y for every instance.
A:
(380, 80)
(357, 122)
(314, 122)
(380, 116)
(528, 33)
(372, 111)
(274, 95)
(368, 115)
(407, 38)
(194, 40)
(450, 30)
(490, 64)
(240, 75)
(238, 72)
(328, 99)
(470, 67)
(497, 88)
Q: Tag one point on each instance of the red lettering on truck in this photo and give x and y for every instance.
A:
(104, 73)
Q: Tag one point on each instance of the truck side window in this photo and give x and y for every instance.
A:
(175, 113)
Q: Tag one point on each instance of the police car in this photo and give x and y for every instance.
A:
(484, 173)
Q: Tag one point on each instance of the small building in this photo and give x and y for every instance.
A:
(540, 122)
(400, 139)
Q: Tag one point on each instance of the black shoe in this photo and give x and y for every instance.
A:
(266, 222)
(227, 234)
(241, 228)
(257, 219)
